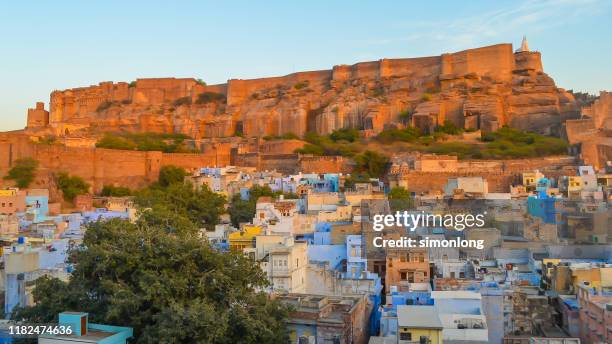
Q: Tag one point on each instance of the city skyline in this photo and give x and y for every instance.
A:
(65, 46)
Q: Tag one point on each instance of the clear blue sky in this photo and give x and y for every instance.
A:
(49, 45)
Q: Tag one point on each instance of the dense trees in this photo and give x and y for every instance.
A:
(400, 199)
(157, 276)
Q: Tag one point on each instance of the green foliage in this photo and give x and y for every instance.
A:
(158, 277)
(400, 199)
(23, 172)
(115, 191)
(182, 101)
(426, 97)
(167, 143)
(300, 85)
(378, 92)
(408, 134)
(286, 136)
(406, 115)
(200, 82)
(48, 140)
(201, 208)
(344, 134)
(170, 174)
(242, 211)
(449, 128)
(132, 84)
(513, 143)
(71, 186)
(210, 97)
(371, 163)
(324, 145)
(103, 106)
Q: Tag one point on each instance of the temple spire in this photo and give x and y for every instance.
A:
(524, 45)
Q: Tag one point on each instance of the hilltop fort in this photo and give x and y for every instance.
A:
(482, 88)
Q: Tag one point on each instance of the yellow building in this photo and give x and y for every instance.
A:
(419, 324)
(530, 179)
(245, 238)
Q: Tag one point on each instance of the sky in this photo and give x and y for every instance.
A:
(49, 45)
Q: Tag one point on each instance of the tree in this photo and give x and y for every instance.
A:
(201, 207)
(170, 174)
(71, 186)
(371, 163)
(165, 282)
(115, 191)
(23, 172)
(400, 199)
(243, 210)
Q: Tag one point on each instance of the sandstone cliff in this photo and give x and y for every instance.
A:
(478, 88)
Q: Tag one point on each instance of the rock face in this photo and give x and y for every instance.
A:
(592, 133)
(483, 88)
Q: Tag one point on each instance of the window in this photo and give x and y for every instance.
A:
(461, 274)
(402, 258)
(422, 258)
(405, 336)
(403, 276)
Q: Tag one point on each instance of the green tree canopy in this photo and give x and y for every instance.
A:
(170, 174)
(158, 276)
(23, 172)
(71, 186)
(165, 282)
(400, 199)
(371, 164)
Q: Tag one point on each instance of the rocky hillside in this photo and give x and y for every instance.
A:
(483, 88)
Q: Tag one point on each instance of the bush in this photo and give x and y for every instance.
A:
(103, 106)
(405, 115)
(210, 97)
(167, 143)
(132, 84)
(378, 92)
(23, 172)
(371, 163)
(200, 82)
(310, 149)
(170, 174)
(115, 191)
(408, 134)
(182, 101)
(300, 85)
(426, 97)
(344, 134)
(400, 199)
(449, 128)
(71, 186)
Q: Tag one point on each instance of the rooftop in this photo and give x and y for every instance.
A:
(418, 317)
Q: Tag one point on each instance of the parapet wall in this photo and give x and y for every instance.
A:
(101, 167)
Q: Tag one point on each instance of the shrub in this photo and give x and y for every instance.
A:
(300, 85)
(209, 97)
(200, 82)
(408, 134)
(400, 199)
(344, 134)
(371, 163)
(170, 174)
(311, 149)
(449, 128)
(378, 92)
(426, 97)
(71, 186)
(406, 115)
(115, 191)
(132, 84)
(103, 106)
(182, 101)
(23, 172)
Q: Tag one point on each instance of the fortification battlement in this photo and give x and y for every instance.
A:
(495, 61)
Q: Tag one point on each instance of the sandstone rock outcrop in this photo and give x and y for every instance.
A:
(483, 88)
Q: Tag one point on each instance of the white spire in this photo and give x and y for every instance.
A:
(524, 45)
